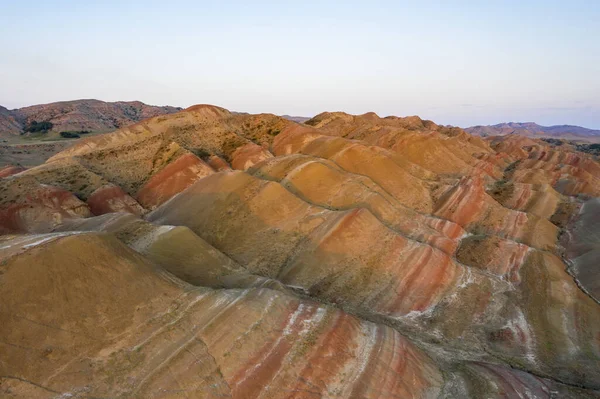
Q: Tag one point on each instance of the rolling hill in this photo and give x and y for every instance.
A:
(208, 254)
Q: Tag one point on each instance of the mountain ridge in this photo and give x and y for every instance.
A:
(532, 129)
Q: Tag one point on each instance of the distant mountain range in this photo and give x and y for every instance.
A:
(79, 115)
(531, 129)
(299, 119)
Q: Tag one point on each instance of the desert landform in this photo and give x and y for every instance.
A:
(203, 253)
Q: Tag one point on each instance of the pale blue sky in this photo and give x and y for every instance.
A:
(455, 62)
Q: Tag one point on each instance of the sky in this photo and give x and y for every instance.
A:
(454, 62)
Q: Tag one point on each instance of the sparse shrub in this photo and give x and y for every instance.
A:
(512, 166)
(69, 135)
(231, 144)
(39, 127)
(555, 142)
(593, 149)
(202, 153)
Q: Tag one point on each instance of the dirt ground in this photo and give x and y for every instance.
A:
(30, 154)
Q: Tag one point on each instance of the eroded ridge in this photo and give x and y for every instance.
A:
(212, 254)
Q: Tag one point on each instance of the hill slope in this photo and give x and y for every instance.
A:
(8, 123)
(212, 254)
(80, 115)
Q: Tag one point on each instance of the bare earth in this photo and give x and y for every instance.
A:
(207, 254)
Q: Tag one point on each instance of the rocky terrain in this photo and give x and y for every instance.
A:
(212, 254)
(534, 130)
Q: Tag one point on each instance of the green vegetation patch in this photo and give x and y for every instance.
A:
(38, 127)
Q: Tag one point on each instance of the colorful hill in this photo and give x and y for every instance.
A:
(210, 254)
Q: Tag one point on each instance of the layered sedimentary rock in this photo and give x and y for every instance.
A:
(350, 257)
(111, 198)
(403, 180)
(10, 170)
(324, 183)
(539, 200)
(468, 205)
(570, 172)
(186, 341)
(493, 254)
(248, 155)
(437, 148)
(27, 205)
(172, 179)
